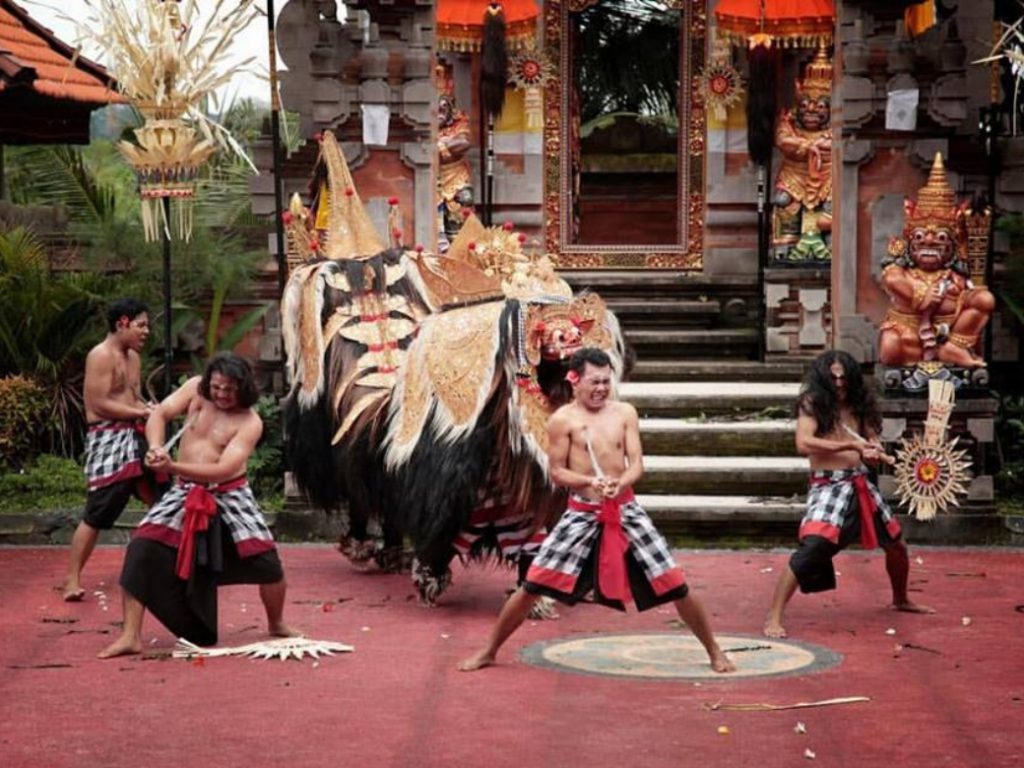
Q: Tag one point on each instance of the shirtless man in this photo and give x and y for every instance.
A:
(207, 530)
(837, 426)
(116, 413)
(604, 542)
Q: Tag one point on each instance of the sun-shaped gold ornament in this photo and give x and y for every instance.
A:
(530, 69)
(722, 86)
(929, 477)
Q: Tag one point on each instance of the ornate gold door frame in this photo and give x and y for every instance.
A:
(687, 253)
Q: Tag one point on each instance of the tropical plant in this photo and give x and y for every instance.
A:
(48, 322)
(266, 465)
(24, 409)
(1011, 287)
(615, 69)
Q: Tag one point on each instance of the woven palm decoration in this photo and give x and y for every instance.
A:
(282, 649)
(167, 58)
(930, 471)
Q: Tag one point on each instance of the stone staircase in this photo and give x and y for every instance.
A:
(719, 459)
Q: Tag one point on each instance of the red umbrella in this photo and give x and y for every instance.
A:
(460, 23)
(786, 23)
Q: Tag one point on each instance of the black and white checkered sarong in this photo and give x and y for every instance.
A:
(571, 543)
(237, 508)
(113, 452)
(832, 497)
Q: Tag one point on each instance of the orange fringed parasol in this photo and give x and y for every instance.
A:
(784, 23)
(460, 24)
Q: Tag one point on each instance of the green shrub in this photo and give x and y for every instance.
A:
(24, 408)
(266, 465)
(52, 482)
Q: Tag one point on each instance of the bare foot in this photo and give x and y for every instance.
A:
(123, 646)
(282, 630)
(908, 607)
(721, 663)
(477, 661)
(72, 593)
(773, 628)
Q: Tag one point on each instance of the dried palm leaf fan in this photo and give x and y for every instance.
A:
(930, 471)
(283, 648)
(167, 62)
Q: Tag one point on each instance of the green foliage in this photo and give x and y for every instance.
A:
(48, 322)
(1011, 287)
(616, 71)
(24, 408)
(266, 465)
(1010, 434)
(50, 483)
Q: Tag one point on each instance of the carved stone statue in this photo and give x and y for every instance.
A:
(802, 217)
(454, 176)
(937, 312)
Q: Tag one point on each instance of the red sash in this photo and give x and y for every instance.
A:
(867, 505)
(200, 508)
(613, 577)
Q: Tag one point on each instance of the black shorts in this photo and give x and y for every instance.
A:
(103, 506)
(811, 563)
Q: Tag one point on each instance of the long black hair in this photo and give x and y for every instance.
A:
(818, 394)
(238, 370)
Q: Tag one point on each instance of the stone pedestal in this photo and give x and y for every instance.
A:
(798, 310)
(973, 423)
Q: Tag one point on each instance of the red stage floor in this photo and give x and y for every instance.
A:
(954, 696)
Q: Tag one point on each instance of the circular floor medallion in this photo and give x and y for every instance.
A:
(677, 656)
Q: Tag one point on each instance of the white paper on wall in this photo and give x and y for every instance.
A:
(375, 124)
(901, 110)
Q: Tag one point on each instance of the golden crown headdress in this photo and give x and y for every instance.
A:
(936, 204)
(817, 79)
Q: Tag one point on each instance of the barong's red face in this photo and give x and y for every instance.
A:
(224, 392)
(593, 387)
(133, 332)
(931, 248)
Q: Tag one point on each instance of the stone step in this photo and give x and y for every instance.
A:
(724, 475)
(654, 283)
(644, 313)
(656, 369)
(726, 520)
(691, 398)
(690, 343)
(681, 437)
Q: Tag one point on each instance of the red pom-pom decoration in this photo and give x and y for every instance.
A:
(286, 217)
(392, 201)
(349, 191)
(507, 226)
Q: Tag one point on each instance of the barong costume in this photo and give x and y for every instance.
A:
(193, 540)
(114, 470)
(610, 547)
(843, 506)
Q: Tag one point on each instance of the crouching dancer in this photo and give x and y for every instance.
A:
(604, 542)
(207, 530)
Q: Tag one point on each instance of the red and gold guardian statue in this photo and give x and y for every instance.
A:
(802, 217)
(935, 281)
